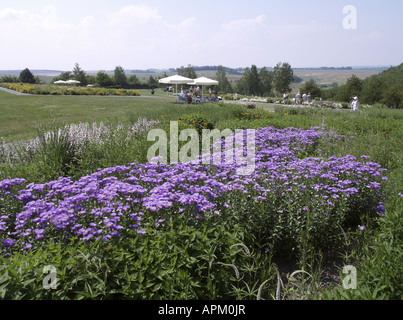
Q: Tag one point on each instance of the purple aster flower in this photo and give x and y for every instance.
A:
(8, 243)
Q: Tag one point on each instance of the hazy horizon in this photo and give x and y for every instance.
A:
(141, 35)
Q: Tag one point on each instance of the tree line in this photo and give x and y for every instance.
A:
(254, 81)
(385, 88)
(25, 76)
(119, 79)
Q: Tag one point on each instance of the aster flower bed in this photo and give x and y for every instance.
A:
(286, 203)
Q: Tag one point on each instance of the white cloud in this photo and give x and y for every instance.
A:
(128, 36)
(242, 24)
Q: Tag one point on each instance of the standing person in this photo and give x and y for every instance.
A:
(309, 97)
(298, 97)
(215, 96)
(209, 92)
(354, 104)
(167, 90)
(304, 98)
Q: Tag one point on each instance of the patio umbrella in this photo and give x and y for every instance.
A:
(72, 82)
(203, 81)
(176, 79)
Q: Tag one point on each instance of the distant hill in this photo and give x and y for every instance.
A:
(392, 76)
(34, 72)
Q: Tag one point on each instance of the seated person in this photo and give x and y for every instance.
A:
(182, 96)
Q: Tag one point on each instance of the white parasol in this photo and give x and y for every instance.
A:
(176, 79)
(203, 81)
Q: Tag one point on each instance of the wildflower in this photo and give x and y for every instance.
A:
(8, 243)
(381, 209)
(362, 228)
(141, 231)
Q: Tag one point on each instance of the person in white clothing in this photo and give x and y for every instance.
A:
(354, 104)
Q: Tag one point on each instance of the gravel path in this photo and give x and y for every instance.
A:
(14, 92)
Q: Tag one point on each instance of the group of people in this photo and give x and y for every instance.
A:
(306, 98)
(185, 96)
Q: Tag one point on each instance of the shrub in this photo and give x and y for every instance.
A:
(178, 262)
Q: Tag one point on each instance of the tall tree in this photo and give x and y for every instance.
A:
(79, 75)
(372, 90)
(152, 82)
(188, 72)
(120, 77)
(351, 89)
(102, 79)
(266, 82)
(254, 81)
(26, 76)
(283, 77)
(243, 84)
(223, 83)
(133, 80)
(312, 88)
(393, 96)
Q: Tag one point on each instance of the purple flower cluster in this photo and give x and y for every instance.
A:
(114, 201)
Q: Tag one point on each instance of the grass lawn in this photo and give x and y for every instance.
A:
(21, 115)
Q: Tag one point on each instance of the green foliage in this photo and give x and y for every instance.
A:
(120, 77)
(385, 88)
(152, 82)
(26, 76)
(223, 83)
(313, 88)
(180, 262)
(188, 72)
(102, 79)
(9, 79)
(266, 82)
(76, 91)
(198, 121)
(373, 90)
(393, 96)
(283, 77)
(255, 83)
(378, 259)
(80, 75)
(351, 89)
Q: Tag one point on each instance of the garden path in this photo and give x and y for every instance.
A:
(14, 92)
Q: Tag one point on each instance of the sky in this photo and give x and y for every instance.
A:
(163, 34)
